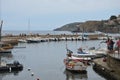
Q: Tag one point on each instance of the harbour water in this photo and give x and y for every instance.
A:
(45, 61)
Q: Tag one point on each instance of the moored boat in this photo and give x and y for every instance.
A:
(15, 66)
(85, 55)
(5, 48)
(75, 64)
(33, 40)
(22, 40)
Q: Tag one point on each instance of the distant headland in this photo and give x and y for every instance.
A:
(112, 25)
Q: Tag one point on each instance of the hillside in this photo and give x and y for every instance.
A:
(111, 25)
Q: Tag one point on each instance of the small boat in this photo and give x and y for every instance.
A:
(75, 64)
(15, 66)
(99, 51)
(22, 40)
(5, 48)
(33, 40)
(85, 55)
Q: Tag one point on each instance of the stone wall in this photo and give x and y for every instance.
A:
(114, 63)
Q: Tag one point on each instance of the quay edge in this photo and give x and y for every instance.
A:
(109, 69)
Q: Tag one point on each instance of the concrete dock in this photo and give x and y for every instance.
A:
(109, 68)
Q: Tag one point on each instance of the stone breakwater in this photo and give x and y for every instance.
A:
(59, 37)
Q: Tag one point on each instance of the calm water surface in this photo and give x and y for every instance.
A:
(46, 61)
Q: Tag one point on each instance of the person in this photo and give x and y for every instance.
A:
(80, 51)
(110, 44)
(118, 45)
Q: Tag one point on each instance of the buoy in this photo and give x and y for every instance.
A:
(32, 74)
(38, 79)
(29, 69)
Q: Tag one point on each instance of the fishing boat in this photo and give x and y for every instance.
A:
(15, 66)
(75, 64)
(5, 48)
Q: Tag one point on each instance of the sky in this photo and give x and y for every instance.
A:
(51, 14)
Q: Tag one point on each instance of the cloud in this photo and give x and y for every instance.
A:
(55, 12)
(32, 7)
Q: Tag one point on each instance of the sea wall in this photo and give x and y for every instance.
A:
(114, 63)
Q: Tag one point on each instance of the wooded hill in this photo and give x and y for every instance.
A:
(111, 25)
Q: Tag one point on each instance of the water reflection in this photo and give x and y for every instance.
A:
(75, 76)
(3, 74)
(6, 55)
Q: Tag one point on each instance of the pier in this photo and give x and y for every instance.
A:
(55, 37)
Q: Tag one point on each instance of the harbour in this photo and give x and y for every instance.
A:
(45, 61)
(59, 40)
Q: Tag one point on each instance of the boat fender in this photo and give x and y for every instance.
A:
(10, 69)
(29, 69)
(32, 74)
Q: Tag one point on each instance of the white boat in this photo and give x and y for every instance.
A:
(98, 51)
(22, 40)
(33, 40)
(85, 55)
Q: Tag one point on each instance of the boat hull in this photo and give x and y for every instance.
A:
(76, 71)
(7, 51)
(75, 66)
(11, 67)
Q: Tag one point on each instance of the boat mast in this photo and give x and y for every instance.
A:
(1, 23)
(29, 26)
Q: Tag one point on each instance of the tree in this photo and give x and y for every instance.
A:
(113, 17)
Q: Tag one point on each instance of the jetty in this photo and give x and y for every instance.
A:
(50, 37)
